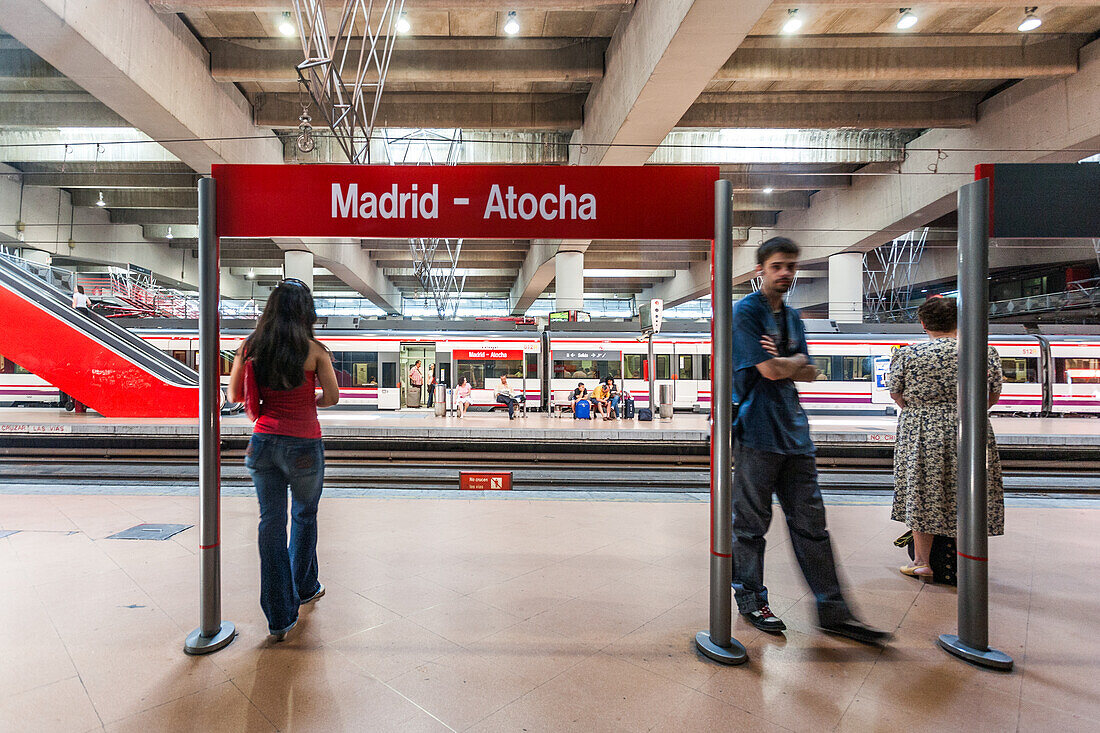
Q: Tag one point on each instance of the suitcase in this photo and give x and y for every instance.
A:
(644, 413)
(582, 410)
(942, 559)
(628, 408)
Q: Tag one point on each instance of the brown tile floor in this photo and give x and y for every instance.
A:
(521, 615)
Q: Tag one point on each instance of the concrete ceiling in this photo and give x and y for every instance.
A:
(839, 98)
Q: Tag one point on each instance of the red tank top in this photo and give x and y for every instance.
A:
(291, 412)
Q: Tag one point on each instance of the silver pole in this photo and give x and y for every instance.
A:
(212, 633)
(972, 641)
(717, 643)
(652, 376)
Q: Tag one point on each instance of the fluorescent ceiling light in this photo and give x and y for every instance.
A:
(1031, 21)
(793, 22)
(769, 189)
(101, 202)
(511, 26)
(169, 234)
(907, 19)
(285, 26)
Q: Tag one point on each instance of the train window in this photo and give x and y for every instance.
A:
(632, 366)
(664, 366)
(705, 359)
(355, 368)
(389, 374)
(824, 366)
(855, 369)
(586, 369)
(486, 374)
(1077, 371)
(684, 372)
(532, 365)
(1018, 370)
(225, 361)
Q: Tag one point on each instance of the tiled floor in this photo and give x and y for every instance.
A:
(521, 615)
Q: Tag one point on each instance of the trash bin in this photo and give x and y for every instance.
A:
(664, 399)
(440, 400)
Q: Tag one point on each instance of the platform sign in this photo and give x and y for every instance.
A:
(1043, 200)
(485, 480)
(484, 201)
(880, 392)
(649, 315)
(488, 354)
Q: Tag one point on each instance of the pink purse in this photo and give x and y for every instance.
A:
(251, 390)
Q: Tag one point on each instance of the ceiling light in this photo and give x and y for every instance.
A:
(511, 26)
(1031, 21)
(403, 25)
(907, 19)
(286, 27)
(793, 22)
(169, 234)
(101, 202)
(251, 274)
(768, 190)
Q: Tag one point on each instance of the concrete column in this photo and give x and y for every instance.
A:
(569, 281)
(298, 264)
(846, 287)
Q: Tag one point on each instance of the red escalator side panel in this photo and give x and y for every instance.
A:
(79, 365)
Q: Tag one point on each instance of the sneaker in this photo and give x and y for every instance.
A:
(280, 635)
(855, 629)
(320, 592)
(765, 620)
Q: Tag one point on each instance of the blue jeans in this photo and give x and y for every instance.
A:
(792, 479)
(288, 573)
(510, 402)
(615, 404)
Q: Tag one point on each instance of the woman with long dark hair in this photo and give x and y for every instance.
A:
(286, 449)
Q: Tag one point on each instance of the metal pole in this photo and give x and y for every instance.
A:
(717, 643)
(972, 641)
(212, 633)
(652, 376)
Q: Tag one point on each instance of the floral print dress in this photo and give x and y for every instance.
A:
(927, 449)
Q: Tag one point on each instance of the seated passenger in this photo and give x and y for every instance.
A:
(505, 396)
(601, 396)
(616, 396)
(462, 396)
(580, 393)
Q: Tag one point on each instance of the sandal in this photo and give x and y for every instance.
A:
(914, 570)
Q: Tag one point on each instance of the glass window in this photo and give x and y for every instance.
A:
(664, 366)
(706, 366)
(225, 362)
(389, 374)
(355, 368)
(685, 370)
(486, 374)
(824, 366)
(632, 366)
(532, 365)
(1018, 370)
(1077, 371)
(586, 369)
(855, 369)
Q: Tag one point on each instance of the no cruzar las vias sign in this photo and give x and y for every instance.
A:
(475, 201)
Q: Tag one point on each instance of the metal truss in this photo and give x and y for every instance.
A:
(440, 283)
(890, 270)
(358, 49)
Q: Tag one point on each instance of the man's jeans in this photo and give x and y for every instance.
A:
(287, 574)
(510, 402)
(793, 479)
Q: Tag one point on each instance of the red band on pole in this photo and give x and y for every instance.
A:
(209, 547)
(971, 557)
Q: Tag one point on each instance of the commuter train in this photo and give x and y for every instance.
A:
(1044, 374)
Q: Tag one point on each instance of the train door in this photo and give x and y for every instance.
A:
(410, 354)
(683, 374)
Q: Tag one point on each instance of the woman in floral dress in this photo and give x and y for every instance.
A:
(924, 383)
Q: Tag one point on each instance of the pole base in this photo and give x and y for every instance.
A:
(990, 658)
(733, 654)
(198, 644)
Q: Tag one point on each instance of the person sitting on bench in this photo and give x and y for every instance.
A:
(580, 393)
(601, 396)
(506, 397)
(462, 396)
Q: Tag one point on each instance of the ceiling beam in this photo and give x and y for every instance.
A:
(782, 201)
(71, 146)
(575, 61)
(422, 109)
(777, 181)
(109, 181)
(154, 216)
(138, 199)
(863, 110)
(23, 70)
(908, 58)
(34, 111)
(225, 6)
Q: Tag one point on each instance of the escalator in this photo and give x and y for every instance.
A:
(87, 356)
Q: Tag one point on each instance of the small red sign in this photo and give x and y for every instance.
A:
(488, 354)
(485, 481)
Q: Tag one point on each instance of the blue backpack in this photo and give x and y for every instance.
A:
(582, 410)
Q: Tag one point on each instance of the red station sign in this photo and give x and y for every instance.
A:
(488, 354)
(485, 481)
(475, 201)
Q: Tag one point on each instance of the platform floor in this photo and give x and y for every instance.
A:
(683, 427)
(522, 615)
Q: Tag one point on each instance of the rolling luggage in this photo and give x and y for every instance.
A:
(644, 413)
(582, 410)
(628, 408)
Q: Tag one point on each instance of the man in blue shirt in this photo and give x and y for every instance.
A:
(773, 453)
